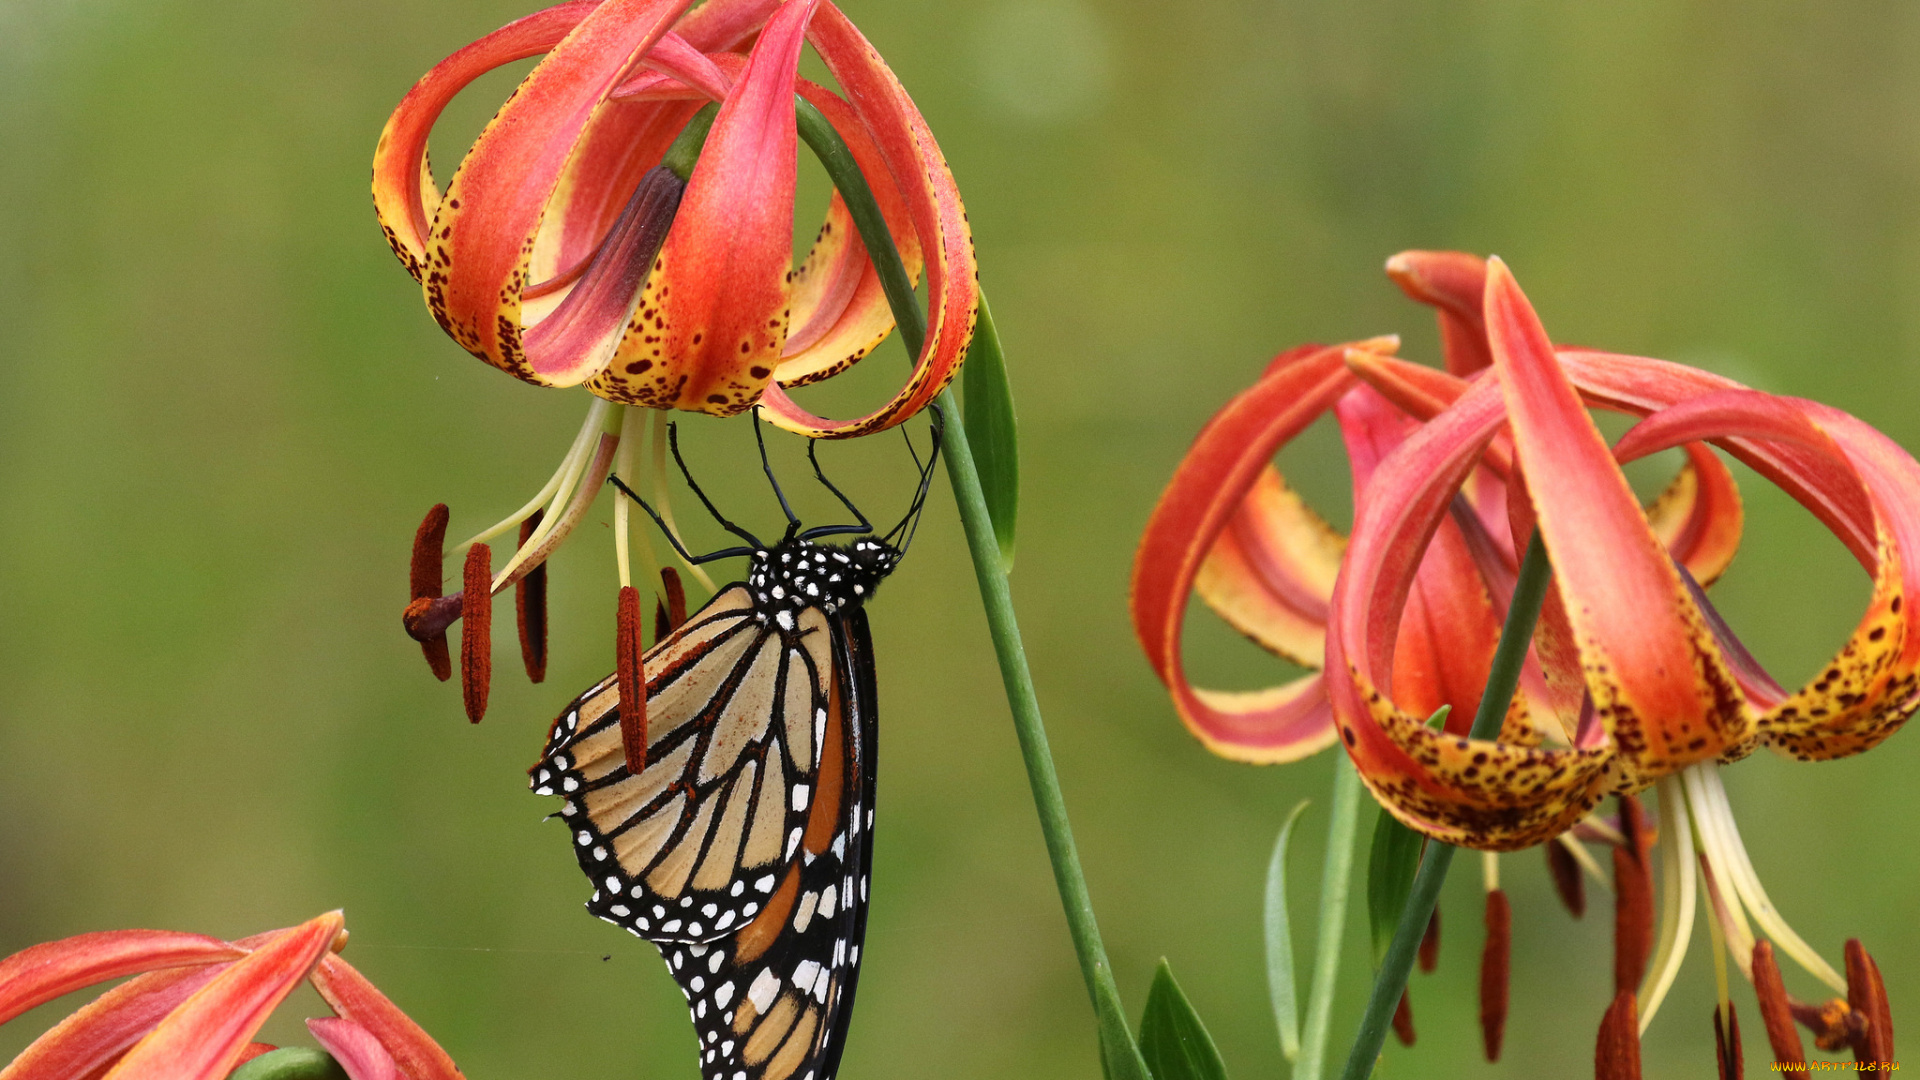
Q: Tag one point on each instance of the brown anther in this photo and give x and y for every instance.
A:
(1566, 877)
(631, 674)
(1867, 994)
(1495, 965)
(1776, 1011)
(1633, 899)
(1429, 954)
(423, 585)
(1726, 1044)
(1403, 1020)
(476, 637)
(1834, 1025)
(530, 609)
(676, 598)
(1616, 1056)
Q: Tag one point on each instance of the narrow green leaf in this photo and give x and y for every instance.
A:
(1280, 980)
(992, 432)
(1172, 1038)
(291, 1063)
(1119, 1057)
(1390, 868)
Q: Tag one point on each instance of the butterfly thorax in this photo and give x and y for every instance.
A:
(798, 574)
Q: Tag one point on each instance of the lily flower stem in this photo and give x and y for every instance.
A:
(997, 599)
(1529, 590)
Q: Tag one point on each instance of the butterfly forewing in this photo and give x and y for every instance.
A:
(695, 846)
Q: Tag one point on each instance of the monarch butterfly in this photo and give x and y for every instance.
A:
(742, 850)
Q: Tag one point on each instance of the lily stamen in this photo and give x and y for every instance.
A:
(1676, 900)
(1728, 855)
(550, 494)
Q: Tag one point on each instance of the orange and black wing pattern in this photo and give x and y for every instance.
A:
(743, 848)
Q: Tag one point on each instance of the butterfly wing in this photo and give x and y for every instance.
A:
(771, 1001)
(697, 844)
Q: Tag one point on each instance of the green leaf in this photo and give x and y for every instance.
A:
(988, 400)
(1172, 1038)
(291, 1063)
(1390, 869)
(1280, 980)
(1119, 1058)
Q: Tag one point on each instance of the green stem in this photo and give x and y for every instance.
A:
(995, 595)
(1502, 678)
(1336, 874)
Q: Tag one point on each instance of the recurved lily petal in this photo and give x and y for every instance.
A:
(1481, 793)
(1226, 462)
(1865, 693)
(1270, 572)
(840, 309)
(717, 299)
(1449, 630)
(1452, 283)
(356, 999)
(37, 975)
(932, 200)
(1699, 516)
(404, 193)
(479, 246)
(86, 1043)
(205, 1035)
(1659, 685)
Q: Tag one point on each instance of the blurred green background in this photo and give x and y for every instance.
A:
(227, 408)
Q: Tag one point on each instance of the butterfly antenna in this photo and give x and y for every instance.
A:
(696, 560)
(673, 440)
(793, 523)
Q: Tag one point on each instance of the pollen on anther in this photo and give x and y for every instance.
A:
(476, 641)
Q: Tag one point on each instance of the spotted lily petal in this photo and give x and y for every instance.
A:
(404, 193)
(479, 244)
(205, 1036)
(717, 299)
(932, 200)
(1449, 630)
(1486, 793)
(1866, 692)
(1659, 685)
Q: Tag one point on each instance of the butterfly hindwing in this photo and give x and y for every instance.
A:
(695, 846)
(770, 1002)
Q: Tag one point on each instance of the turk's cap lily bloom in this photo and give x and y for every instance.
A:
(1644, 677)
(1231, 528)
(194, 1003)
(567, 250)
(1632, 678)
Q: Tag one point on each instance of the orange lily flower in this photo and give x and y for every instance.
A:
(194, 1004)
(613, 229)
(1633, 679)
(1647, 683)
(564, 253)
